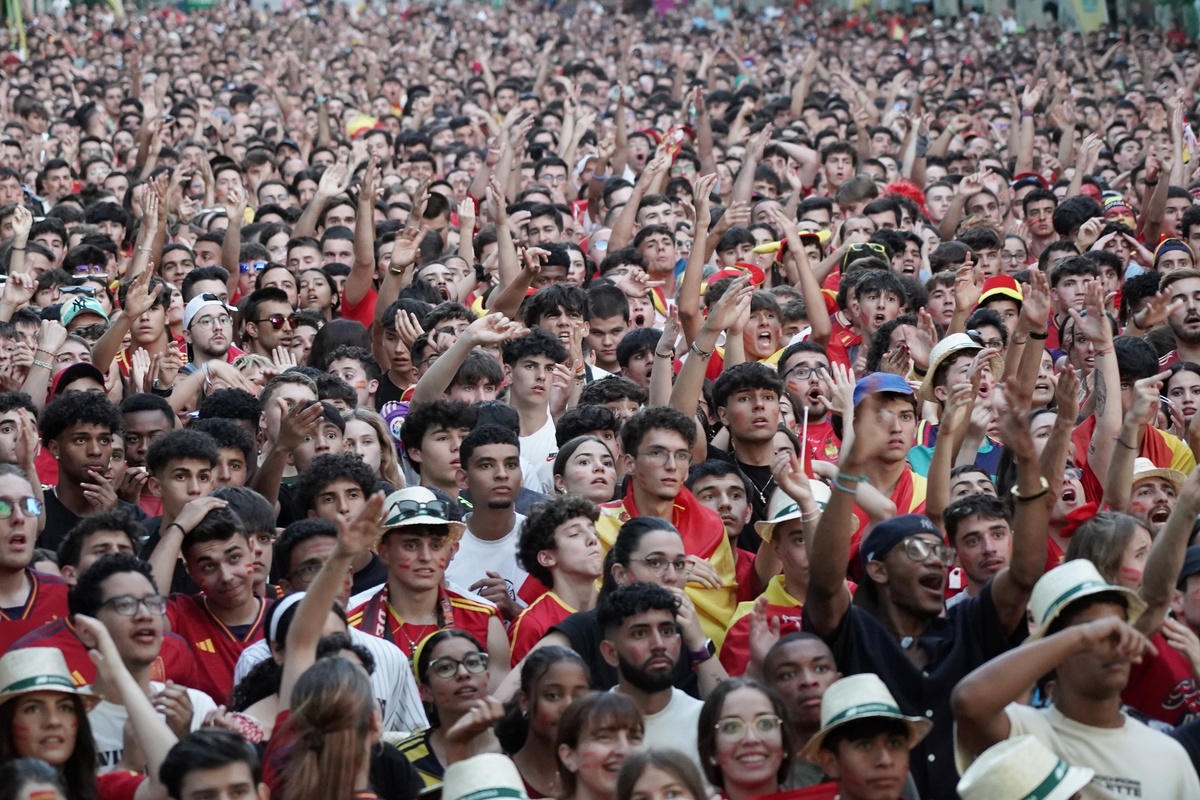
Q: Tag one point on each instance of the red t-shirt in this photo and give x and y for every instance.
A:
(749, 586)
(213, 645)
(1163, 686)
(532, 623)
(363, 311)
(174, 662)
(377, 617)
(46, 602)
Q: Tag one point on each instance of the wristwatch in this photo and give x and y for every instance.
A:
(703, 654)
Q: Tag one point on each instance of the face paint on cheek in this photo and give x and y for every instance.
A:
(1130, 576)
(43, 795)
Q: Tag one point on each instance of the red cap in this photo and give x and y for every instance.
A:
(1001, 286)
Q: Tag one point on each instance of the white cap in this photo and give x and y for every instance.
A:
(200, 302)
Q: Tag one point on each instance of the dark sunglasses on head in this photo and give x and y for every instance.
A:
(279, 320)
(407, 509)
(87, 291)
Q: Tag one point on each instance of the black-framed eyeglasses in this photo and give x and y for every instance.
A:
(277, 321)
(126, 605)
(803, 371)
(447, 667)
(29, 506)
(660, 565)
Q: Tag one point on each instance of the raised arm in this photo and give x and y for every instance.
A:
(362, 273)
(980, 698)
(810, 288)
(1118, 478)
(690, 316)
(494, 328)
(828, 599)
(1165, 561)
(355, 538)
(1012, 586)
(1106, 389)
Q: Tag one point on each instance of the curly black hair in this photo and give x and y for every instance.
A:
(77, 408)
(235, 404)
(537, 532)
(326, 469)
(627, 601)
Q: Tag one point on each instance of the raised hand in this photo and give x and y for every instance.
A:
(725, 314)
(141, 298)
(1157, 310)
(296, 424)
(362, 533)
(22, 223)
(19, 289)
(493, 329)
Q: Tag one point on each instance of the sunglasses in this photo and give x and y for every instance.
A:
(30, 507)
(92, 269)
(87, 291)
(858, 247)
(407, 509)
(252, 266)
(279, 320)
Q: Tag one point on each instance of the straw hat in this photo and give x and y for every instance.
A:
(489, 776)
(1069, 582)
(1144, 468)
(1022, 768)
(38, 669)
(954, 343)
(417, 505)
(861, 697)
(783, 508)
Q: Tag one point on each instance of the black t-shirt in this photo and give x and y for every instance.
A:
(181, 582)
(60, 519)
(584, 633)
(387, 392)
(370, 576)
(393, 777)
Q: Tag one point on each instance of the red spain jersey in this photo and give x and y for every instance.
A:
(735, 650)
(46, 602)
(532, 623)
(214, 646)
(377, 617)
(174, 662)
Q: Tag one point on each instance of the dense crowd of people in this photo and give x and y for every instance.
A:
(546, 402)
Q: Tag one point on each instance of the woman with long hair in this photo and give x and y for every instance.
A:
(745, 741)
(585, 466)
(551, 679)
(652, 774)
(451, 668)
(317, 292)
(369, 438)
(595, 735)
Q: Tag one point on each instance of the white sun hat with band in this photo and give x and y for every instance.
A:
(783, 508)
(857, 697)
(1073, 581)
(488, 776)
(954, 343)
(1022, 768)
(417, 505)
(38, 669)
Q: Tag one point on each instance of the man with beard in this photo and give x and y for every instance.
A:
(898, 626)
(642, 640)
(486, 561)
(208, 330)
(1183, 287)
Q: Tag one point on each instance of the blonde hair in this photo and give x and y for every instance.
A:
(330, 727)
(247, 362)
(389, 463)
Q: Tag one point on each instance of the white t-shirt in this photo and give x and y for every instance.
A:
(392, 682)
(107, 721)
(1131, 761)
(539, 449)
(676, 726)
(476, 557)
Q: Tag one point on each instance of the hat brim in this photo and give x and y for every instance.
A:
(1172, 476)
(1134, 607)
(918, 729)
(89, 700)
(766, 528)
(456, 528)
(1075, 779)
(926, 393)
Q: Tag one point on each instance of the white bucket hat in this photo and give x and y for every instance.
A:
(417, 505)
(1022, 768)
(1069, 582)
(488, 776)
(954, 343)
(861, 697)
